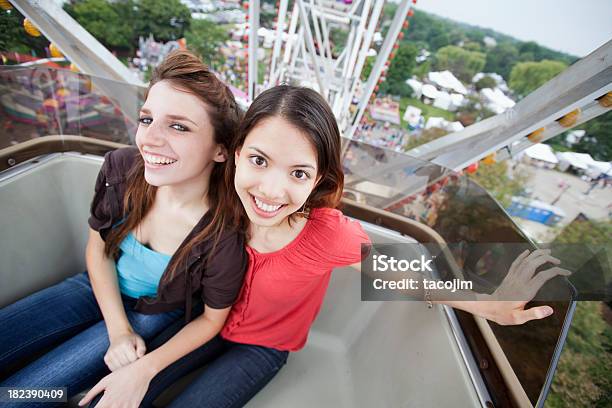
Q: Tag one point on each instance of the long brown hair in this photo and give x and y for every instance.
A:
(185, 71)
(305, 109)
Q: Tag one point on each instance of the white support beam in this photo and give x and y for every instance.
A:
(378, 6)
(383, 56)
(291, 44)
(576, 87)
(590, 111)
(253, 47)
(311, 48)
(278, 40)
(358, 38)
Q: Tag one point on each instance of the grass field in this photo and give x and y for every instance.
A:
(428, 110)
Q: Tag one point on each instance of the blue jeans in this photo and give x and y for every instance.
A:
(234, 374)
(66, 320)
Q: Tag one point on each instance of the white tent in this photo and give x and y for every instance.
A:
(542, 152)
(441, 123)
(436, 122)
(429, 91)
(498, 78)
(449, 102)
(268, 36)
(455, 126)
(577, 160)
(574, 136)
(446, 79)
(443, 100)
(412, 116)
(604, 167)
(457, 100)
(597, 168)
(489, 41)
(417, 87)
(496, 100)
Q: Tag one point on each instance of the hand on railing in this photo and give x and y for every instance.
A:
(506, 306)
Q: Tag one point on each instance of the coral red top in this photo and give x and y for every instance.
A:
(283, 290)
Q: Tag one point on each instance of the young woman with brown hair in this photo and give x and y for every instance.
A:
(161, 232)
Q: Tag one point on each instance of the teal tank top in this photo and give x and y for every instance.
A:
(139, 268)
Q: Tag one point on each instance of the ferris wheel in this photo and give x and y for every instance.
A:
(304, 53)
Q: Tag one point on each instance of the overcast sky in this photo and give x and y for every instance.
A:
(573, 26)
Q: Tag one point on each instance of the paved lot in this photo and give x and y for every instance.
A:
(597, 205)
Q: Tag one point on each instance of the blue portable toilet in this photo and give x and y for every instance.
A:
(535, 210)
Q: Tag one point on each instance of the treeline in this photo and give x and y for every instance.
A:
(463, 49)
(118, 24)
(13, 36)
(433, 33)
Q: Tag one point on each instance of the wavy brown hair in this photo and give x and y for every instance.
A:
(305, 109)
(186, 72)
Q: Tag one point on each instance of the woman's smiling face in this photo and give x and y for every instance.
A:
(175, 136)
(276, 170)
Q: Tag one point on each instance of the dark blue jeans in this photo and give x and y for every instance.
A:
(65, 320)
(234, 373)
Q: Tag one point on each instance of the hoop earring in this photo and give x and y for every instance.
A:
(302, 211)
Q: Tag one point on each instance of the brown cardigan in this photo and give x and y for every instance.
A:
(218, 283)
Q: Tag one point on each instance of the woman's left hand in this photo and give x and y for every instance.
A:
(506, 306)
(125, 387)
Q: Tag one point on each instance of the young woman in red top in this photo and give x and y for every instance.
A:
(287, 173)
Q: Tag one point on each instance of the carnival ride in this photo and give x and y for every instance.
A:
(57, 124)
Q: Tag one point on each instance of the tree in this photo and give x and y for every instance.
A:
(440, 40)
(422, 69)
(472, 111)
(338, 37)
(426, 136)
(389, 10)
(400, 70)
(582, 378)
(267, 14)
(501, 59)
(204, 38)
(14, 38)
(436, 33)
(166, 19)
(433, 31)
(485, 82)
(465, 64)
(472, 46)
(583, 374)
(494, 178)
(476, 36)
(367, 68)
(526, 77)
(597, 140)
(532, 51)
(118, 24)
(106, 21)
